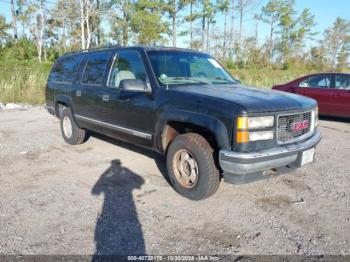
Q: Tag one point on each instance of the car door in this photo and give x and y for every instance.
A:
(341, 96)
(88, 91)
(129, 114)
(319, 88)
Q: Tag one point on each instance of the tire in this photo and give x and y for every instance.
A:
(198, 149)
(71, 133)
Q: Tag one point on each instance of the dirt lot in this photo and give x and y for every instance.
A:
(109, 197)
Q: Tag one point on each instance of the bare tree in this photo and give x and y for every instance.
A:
(242, 5)
(14, 20)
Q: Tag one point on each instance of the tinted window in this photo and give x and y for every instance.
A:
(95, 68)
(317, 81)
(128, 65)
(65, 69)
(342, 82)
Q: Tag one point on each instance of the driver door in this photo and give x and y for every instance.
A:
(319, 88)
(129, 114)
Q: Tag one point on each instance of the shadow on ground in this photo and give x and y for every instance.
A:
(118, 230)
(158, 158)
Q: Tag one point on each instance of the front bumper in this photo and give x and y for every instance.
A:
(246, 167)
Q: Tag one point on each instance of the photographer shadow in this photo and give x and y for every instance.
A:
(118, 230)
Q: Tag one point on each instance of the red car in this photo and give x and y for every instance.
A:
(331, 90)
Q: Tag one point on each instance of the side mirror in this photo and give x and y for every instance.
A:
(133, 85)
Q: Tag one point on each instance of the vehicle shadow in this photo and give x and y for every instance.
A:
(118, 230)
(158, 158)
(335, 119)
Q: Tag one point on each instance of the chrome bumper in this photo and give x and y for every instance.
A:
(248, 166)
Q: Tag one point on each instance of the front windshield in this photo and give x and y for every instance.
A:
(182, 67)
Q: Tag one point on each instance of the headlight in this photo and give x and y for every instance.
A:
(255, 122)
(260, 122)
(316, 116)
(245, 124)
(260, 135)
(314, 119)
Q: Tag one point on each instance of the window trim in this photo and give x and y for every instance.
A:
(114, 60)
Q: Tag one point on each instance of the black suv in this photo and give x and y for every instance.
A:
(183, 104)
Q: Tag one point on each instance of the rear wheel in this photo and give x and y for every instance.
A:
(191, 166)
(71, 133)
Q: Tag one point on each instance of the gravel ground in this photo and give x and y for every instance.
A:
(107, 197)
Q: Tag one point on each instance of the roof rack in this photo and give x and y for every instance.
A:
(93, 49)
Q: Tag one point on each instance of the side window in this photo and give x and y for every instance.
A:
(342, 82)
(95, 68)
(65, 69)
(127, 65)
(317, 81)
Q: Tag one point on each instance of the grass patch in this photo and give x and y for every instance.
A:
(266, 78)
(23, 83)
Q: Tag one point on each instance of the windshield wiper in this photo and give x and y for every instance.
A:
(184, 80)
(196, 79)
(226, 80)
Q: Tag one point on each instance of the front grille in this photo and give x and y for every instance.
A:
(291, 128)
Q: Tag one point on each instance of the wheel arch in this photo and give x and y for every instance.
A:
(170, 124)
(63, 100)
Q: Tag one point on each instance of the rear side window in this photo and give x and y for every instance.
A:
(342, 82)
(95, 68)
(65, 69)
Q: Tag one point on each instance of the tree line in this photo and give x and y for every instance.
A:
(45, 29)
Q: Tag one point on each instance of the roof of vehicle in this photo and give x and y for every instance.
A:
(143, 47)
(326, 73)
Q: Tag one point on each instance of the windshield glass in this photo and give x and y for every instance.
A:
(183, 67)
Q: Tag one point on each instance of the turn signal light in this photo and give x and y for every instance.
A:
(242, 137)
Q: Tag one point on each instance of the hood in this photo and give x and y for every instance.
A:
(252, 99)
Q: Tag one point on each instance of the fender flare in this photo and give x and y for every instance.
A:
(215, 126)
(65, 100)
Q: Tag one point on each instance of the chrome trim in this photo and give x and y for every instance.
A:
(299, 138)
(49, 107)
(235, 163)
(287, 149)
(117, 128)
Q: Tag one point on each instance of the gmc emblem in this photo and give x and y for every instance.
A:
(297, 126)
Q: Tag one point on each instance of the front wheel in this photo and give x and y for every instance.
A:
(191, 166)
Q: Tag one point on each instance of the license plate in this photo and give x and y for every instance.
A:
(307, 156)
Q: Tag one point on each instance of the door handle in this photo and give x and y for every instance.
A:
(78, 93)
(105, 98)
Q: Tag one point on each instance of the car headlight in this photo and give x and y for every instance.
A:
(255, 122)
(316, 116)
(245, 124)
(314, 119)
(260, 135)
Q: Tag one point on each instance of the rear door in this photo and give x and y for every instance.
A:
(88, 91)
(341, 96)
(319, 88)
